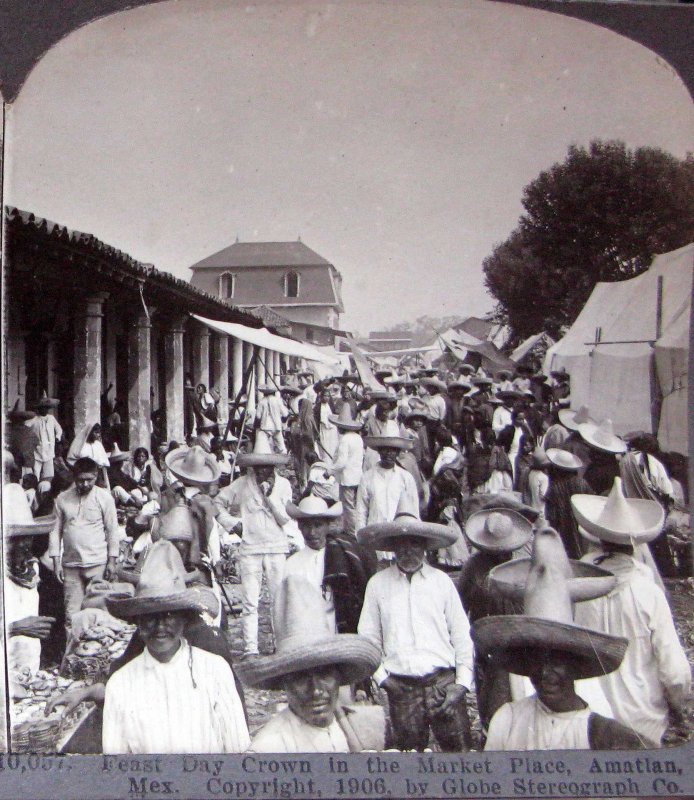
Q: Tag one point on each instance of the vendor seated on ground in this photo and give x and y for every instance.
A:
(544, 644)
(310, 664)
(125, 489)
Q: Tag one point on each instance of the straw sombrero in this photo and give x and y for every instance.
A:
(466, 369)
(46, 402)
(193, 466)
(509, 394)
(503, 374)
(460, 384)
(344, 419)
(265, 388)
(262, 457)
(398, 442)
(564, 459)
(304, 642)
(383, 394)
(481, 380)
(117, 454)
(312, 507)
(162, 587)
(285, 389)
(498, 530)
(17, 519)
(379, 535)
(509, 501)
(516, 641)
(17, 414)
(433, 383)
(617, 518)
(602, 437)
(572, 419)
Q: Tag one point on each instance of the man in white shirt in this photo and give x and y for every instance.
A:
(413, 614)
(47, 432)
(173, 697)
(268, 419)
(387, 487)
(258, 500)
(432, 396)
(347, 466)
(654, 678)
(310, 664)
(503, 414)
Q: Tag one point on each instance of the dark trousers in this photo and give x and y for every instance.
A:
(415, 710)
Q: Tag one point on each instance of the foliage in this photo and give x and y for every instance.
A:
(601, 215)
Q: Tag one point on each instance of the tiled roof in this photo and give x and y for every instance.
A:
(127, 264)
(263, 254)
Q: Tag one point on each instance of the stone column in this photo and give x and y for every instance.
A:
(201, 356)
(252, 383)
(140, 381)
(277, 367)
(173, 365)
(263, 369)
(237, 364)
(87, 363)
(220, 354)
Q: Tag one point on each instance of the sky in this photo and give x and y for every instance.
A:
(394, 138)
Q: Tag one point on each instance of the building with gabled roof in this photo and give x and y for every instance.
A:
(287, 277)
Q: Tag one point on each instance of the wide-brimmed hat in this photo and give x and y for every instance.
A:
(504, 374)
(262, 456)
(461, 384)
(383, 394)
(428, 372)
(286, 389)
(17, 414)
(481, 380)
(344, 419)
(517, 641)
(379, 535)
(117, 454)
(617, 518)
(312, 507)
(265, 388)
(398, 442)
(572, 419)
(560, 374)
(602, 437)
(176, 525)
(498, 530)
(17, 519)
(539, 377)
(46, 402)
(193, 466)
(305, 642)
(417, 413)
(509, 394)
(511, 501)
(564, 459)
(540, 458)
(161, 587)
(466, 369)
(433, 383)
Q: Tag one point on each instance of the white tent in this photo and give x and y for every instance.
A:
(609, 350)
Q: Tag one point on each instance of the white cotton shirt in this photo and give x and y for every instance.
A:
(382, 493)
(419, 625)
(501, 419)
(152, 707)
(538, 484)
(529, 725)
(288, 733)
(349, 459)
(310, 564)
(21, 602)
(655, 665)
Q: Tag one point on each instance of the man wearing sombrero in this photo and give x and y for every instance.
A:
(654, 679)
(47, 432)
(269, 415)
(310, 664)
(347, 466)
(386, 487)
(25, 627)
(413, 614)
(258, 500)
(546, 645)
(173, 697)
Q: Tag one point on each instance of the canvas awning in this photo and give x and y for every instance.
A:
(261, 337)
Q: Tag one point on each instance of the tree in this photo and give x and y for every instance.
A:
(601, 215)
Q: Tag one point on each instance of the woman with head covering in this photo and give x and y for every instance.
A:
(88, 444)
(564, 482)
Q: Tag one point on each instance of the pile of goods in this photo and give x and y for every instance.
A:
(32, 730)
(90, 656)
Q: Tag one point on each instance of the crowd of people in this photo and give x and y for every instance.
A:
(420, 535)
